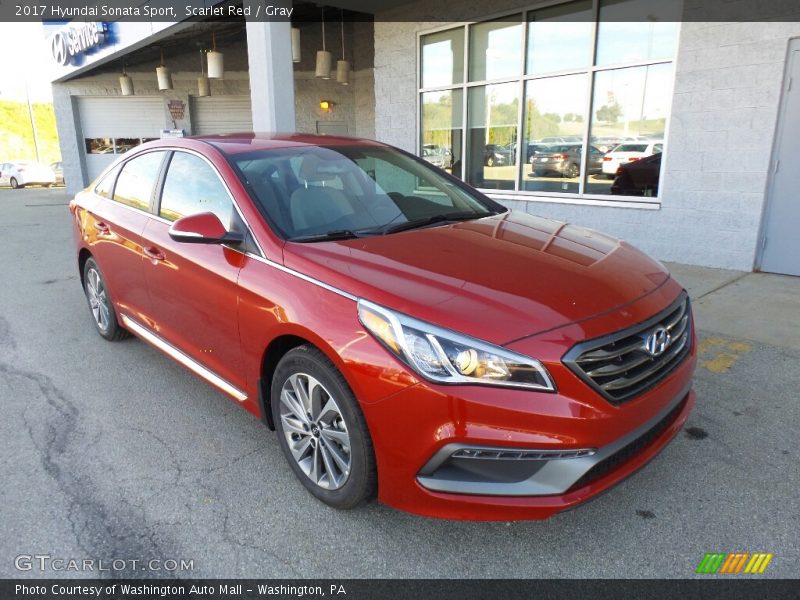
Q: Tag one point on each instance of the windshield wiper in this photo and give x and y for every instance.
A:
(431, 220)
(336, 234)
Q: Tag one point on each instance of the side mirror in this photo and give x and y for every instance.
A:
(203, 228)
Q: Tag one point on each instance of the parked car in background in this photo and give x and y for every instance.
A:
(58, 171)
(628, 152)
(405, 335)
(535, 149)
(638, 178)
(20, 173)
(438, 156)
(565, 160)
(495, 155)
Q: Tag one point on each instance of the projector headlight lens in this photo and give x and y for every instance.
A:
(445, 356)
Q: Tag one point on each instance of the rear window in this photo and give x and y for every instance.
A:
(631, 148)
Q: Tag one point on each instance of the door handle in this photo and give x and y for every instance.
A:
(153, 253)
(102, 228)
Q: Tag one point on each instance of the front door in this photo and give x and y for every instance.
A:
(193, 287)
(781, 250)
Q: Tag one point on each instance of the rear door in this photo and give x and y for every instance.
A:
(114, 224)
(193, 287)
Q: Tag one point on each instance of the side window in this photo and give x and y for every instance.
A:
(192, 186)
(106, 185)
(136, 180)
(389, 179)
(658, 148)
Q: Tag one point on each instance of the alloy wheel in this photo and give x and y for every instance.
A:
(315, 431)
(98, 299)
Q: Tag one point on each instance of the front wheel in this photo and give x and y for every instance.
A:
(14, 183)
(105, 318)
(321, 429)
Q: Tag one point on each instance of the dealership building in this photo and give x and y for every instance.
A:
(658, 123)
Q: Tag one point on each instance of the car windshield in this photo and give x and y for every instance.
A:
(312, 193)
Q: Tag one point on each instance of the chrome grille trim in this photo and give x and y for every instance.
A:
(499, 453)
(619, 366)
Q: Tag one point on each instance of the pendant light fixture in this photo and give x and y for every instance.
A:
(216, 62)
(296, 44)
(126, 83)
(324, 58)
(164, 75)
(343, 66)
(203, 83)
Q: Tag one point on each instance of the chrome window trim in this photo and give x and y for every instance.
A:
(181, 357)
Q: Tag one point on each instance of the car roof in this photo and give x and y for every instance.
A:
(242, 142)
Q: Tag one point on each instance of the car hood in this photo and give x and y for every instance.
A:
(498, 278)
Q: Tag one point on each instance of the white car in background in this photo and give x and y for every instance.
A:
(20, 173)
(629, 152)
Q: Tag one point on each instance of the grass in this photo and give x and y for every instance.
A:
(16, 134)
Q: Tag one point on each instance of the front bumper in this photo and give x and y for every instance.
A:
(417, 431)
(540, 473)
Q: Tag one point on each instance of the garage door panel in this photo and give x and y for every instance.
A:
(221, 114)
(115, 117)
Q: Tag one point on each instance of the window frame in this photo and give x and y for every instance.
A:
(162, 180)
(155, 201)
(581, 197)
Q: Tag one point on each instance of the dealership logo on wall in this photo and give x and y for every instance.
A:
(70, 42)
(176, 109)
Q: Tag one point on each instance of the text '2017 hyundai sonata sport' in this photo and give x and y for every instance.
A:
(406, 336)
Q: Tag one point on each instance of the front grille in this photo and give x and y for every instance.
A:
(623, 455)
(619, 366)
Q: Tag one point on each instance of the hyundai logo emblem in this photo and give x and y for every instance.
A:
(657, 341)
(59, 48)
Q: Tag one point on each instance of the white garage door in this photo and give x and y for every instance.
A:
(112, 125)
(221, 114)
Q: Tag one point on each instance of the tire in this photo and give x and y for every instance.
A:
(103, 313)
(490, 162)
(573, 170)
(328, 446)
(14, 183)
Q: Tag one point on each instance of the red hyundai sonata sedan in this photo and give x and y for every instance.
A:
(406, 336)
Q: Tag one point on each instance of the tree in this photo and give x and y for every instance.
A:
(609, 113)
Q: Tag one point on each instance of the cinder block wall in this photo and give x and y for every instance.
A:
(724, 110)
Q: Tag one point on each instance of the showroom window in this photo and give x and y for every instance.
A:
(113, 145)
(571, 100)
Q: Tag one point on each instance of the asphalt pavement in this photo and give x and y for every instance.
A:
(111, 451)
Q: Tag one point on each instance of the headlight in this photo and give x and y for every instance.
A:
(445, 356)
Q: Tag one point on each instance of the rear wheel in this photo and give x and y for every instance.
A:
(105, 318)
(321, 429)
(14, 183)
(573, 170)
